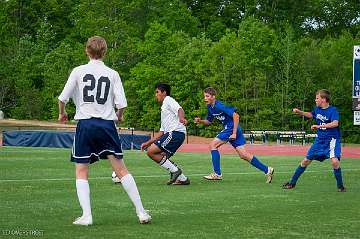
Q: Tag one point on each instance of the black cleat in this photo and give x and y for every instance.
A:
(288, 185)
(174, 176)
(178, 182)
(341, 189)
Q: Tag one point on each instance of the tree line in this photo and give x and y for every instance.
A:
(263, 56)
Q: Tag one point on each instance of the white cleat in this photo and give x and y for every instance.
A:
(213, 176)
(83, 220)
(144, 217)
(269, 175)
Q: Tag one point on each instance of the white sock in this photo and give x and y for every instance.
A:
(83, 193)
(130, 187)
(167, 164)
(182, 177)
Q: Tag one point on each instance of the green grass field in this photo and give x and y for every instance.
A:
(37, 193)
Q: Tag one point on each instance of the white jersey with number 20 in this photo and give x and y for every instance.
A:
(95, 89)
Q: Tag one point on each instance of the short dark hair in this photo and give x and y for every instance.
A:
(163, 87)
(325, 94)
(210, 90)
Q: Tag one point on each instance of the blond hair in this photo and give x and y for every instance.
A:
(96, 47)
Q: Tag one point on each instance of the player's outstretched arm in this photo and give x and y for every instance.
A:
(198, 120)
(302, 113)
(62, 113)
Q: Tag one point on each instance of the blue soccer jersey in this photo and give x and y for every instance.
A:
(324, 116)
(221, 112)
(225, 115)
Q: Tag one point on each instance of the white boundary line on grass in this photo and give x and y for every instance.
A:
(158, 176)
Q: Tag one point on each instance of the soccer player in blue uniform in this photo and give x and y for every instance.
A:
(96, 91)
(327, 143)
(231, 133)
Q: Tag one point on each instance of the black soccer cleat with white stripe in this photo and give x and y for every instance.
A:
(174, 176)
(178, 182)
(288, 185)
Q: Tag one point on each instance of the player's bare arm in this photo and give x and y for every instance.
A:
(150, 141)
(302, 113)
(182, 116)
(62, 113)
(198, 120)
(120, 115)
(330, 125)
(236, 118)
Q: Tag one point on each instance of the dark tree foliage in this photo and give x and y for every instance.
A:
(264, 57)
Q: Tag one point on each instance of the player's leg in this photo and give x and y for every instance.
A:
(254, 161)
(215, 159)
(129, 185)
(163, 149)
(156, 154)
(317, 151)
(83, 193)
(334, 154)
(337, 173)
(80, 156)
(298, 171)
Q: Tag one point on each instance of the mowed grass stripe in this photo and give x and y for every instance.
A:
(240, 206)
(160, 176)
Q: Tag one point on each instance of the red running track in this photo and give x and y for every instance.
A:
(291, 150)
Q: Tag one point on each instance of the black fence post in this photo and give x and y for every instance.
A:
(132, 138)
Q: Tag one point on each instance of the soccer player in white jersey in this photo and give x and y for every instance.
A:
(170, 137)
(96, 90)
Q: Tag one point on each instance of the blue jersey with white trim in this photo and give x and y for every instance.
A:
(325, 116)
(221, 112)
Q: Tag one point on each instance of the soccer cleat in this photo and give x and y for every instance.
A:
(83, 220)
(269, 175)
(288, 185)
(342, 189)
(144, 217)
(174, 176)
(178, 182)
(213, 176)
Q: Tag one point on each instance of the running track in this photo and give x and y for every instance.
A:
(290, 150)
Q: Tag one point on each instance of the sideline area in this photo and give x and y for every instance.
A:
(192, 143)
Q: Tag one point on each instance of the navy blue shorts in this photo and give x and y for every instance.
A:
(95, 139)
(224, 135)
(170, 142)
(324, 148)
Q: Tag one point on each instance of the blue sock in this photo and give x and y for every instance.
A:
(259, 165)
(299, 170)
(337, 173)
(215, 158)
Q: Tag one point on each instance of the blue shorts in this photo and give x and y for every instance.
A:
(224, 135)
(95, 139)
(170, 142)
(324, 148)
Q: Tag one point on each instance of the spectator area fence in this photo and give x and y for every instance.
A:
(133, 137)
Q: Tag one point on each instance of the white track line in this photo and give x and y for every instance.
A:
(159, 176)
